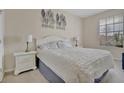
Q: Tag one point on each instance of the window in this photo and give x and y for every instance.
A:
(111, 30)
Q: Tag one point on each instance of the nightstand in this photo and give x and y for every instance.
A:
(24, 61)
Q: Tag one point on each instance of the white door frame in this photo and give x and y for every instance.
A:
(2, 44)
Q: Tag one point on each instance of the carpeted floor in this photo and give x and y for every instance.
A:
(33, 76)
(115, 75)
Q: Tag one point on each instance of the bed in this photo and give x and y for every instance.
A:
(60, 61)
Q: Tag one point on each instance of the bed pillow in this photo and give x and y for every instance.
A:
(49, 45)
(64, 44)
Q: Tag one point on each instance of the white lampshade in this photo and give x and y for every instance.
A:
(29, 39)
(76, 38)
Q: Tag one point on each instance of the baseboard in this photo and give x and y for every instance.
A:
(117, 59)
(9, 70)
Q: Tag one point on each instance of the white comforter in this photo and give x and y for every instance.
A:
(77, 64)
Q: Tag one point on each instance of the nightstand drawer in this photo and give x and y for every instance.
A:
(25, 68)
(25, 64)
(25, 59)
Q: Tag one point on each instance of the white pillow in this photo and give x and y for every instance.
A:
(64, 44)
(49, 45)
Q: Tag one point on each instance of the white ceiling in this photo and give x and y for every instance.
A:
(85, 12)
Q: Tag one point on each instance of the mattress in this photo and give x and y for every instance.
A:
(77, 64)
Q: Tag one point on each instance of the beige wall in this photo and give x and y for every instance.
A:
(91, 36)
(20, 23)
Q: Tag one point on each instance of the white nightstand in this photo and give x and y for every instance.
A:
(24, 61)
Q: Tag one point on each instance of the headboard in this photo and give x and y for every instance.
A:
(50, 38)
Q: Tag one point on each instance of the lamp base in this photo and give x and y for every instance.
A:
(27, 50)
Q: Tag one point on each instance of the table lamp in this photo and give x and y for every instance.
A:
(29, 40)
(76, 39)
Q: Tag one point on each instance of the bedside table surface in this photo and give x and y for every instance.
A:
(24, 53)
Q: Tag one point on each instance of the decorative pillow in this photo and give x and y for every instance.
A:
(49, 45)
(64, 44)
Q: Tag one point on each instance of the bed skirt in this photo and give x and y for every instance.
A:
(53, 77)
(48, 73)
